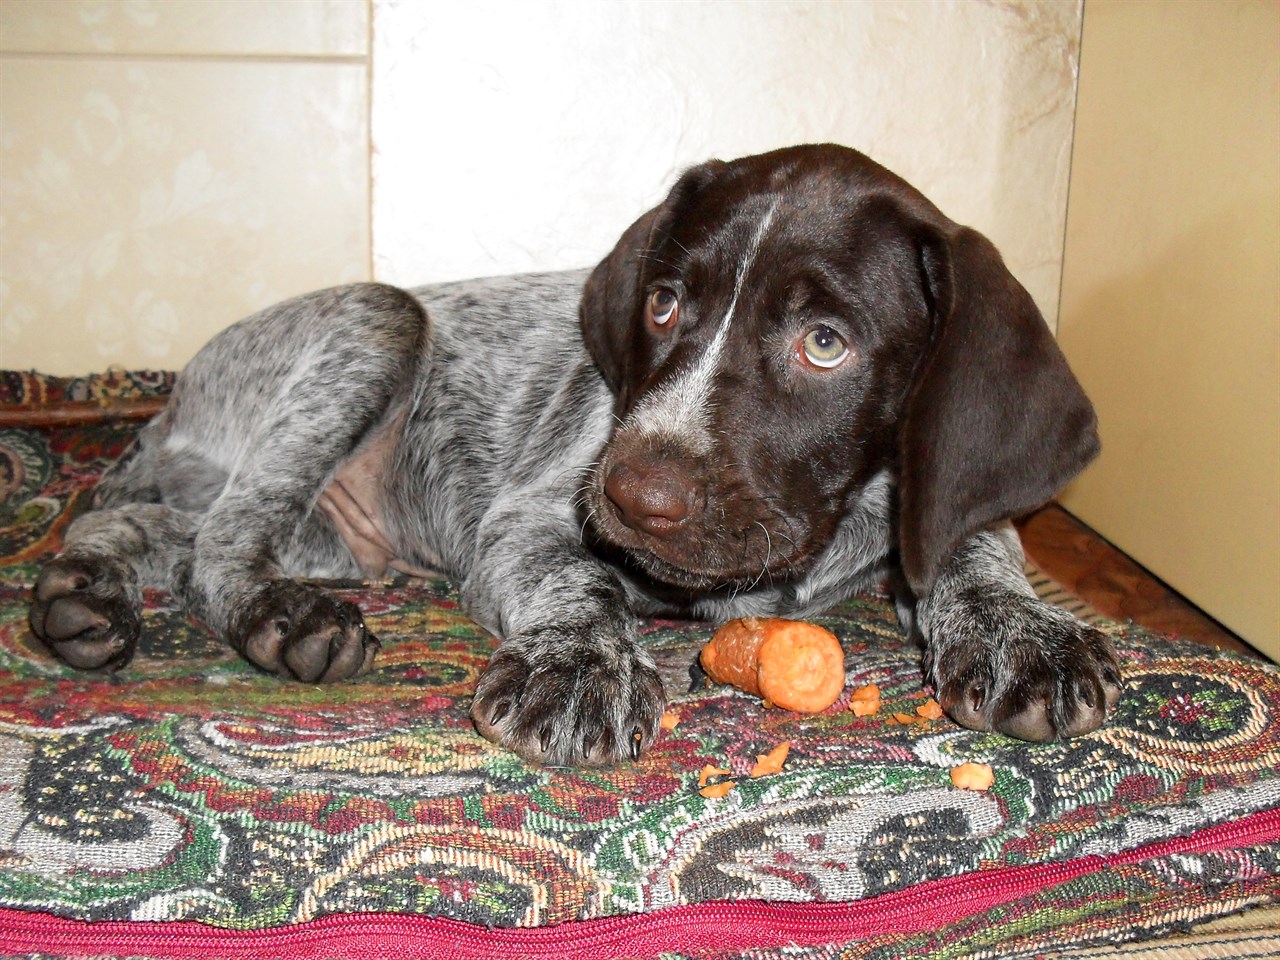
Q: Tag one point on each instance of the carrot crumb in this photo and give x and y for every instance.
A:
(907, 718)
(772, 761)
(973, 776)
(931, 710)
(717, 789)
(669, 721)
(709, 771)
(865, 701)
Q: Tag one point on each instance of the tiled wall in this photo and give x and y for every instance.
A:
(167, 166)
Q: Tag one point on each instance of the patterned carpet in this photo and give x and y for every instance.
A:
(191, 804)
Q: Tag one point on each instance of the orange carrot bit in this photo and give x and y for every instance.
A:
(907, 718)
(868, 691)
(931, 710)
(973, 776)
(669, 721)
(771, 762)
(717, 789)
(709, 771)
(794, 665)
(865, 701)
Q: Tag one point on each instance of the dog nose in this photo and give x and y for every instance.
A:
(654, 498)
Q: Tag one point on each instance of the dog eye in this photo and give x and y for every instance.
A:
(663, 307)
(824, 348)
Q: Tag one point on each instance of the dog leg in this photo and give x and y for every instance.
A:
(1001, 659)
(338, 391)
(240, 585)
(262, 418)
(87, 603)
(570, 684)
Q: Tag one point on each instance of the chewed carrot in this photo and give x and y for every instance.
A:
(771, 762)
(973, 776)
(669, 721)
(794, 665)
(865, 700)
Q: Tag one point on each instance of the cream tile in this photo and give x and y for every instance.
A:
(147, 205)
(281, 27)
(562, 122)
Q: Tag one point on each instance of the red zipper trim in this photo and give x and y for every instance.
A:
(723, 925)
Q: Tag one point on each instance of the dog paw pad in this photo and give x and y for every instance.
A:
(301, 632)
(85, 613)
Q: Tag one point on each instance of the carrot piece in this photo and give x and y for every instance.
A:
(865, 701)
(931, 710)
(907, 718)
(709, 771)
(717, 789)
(973, 776)
(794, 665)
(669, 721)
(733, 654)
(772, 761)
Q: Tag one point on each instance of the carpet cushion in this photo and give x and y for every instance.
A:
(190, 787)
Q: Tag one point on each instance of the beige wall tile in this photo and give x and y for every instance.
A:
(516, 136)
(281, 27)
(138, 190)
(147, 205)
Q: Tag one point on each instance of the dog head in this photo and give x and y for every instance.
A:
(784, 327)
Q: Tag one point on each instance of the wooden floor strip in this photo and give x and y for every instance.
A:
(1114, 584)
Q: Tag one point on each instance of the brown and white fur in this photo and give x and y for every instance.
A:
(792, 380)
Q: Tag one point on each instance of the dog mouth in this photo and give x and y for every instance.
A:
(709, 579)
(735, 552)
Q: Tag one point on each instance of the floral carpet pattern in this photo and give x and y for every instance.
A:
(191, 787)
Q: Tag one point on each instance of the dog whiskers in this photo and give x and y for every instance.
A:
(666, 263)
(672, 238)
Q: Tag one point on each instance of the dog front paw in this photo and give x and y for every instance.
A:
(1015, 665)
(86, 610)
(558, 699)
(299, 631)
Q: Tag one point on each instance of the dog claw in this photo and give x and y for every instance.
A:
(1066, 683)
(565, 711)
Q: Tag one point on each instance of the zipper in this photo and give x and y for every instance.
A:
(719, 925)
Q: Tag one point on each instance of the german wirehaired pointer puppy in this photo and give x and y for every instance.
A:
(792, 380)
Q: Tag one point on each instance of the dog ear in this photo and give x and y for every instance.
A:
(611, 301)
(996, 423)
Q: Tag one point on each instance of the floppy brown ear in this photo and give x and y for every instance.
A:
(996, 423)
(611, 299)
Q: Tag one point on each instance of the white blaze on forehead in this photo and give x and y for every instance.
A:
(679, 409)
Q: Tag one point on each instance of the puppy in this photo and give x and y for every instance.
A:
(792, 380)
